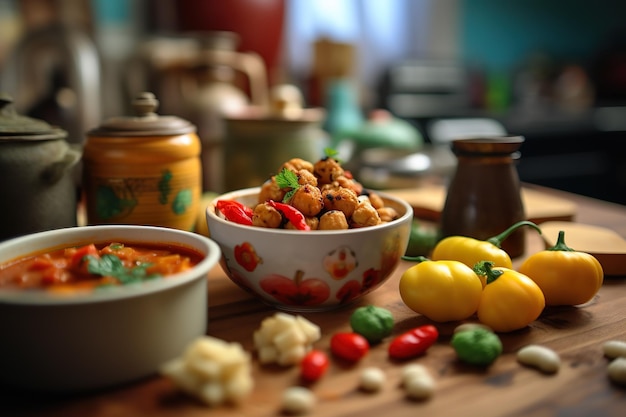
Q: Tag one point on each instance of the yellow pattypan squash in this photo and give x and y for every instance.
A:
(441, 290)
(566, 276)
(510, 300)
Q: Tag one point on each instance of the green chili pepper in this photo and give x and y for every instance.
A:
(371, 322)
(477, 346)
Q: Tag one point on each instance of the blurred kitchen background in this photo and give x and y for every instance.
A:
(388, 83)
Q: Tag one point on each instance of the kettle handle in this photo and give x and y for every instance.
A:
(55, 171)
(250, 64)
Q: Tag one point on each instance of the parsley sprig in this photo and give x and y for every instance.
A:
(111, 266)
(287, 179)
(331, 153)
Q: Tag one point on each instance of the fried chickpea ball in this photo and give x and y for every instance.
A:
(271, 191)
(266, 216)
(364, 215)
(376, 200)
(308, 200)
(350, 183)
(327, 170)
(296, 164)
(387, 214)
(306, 177)
(343, 199)
(333, 186)
(333, 220)
(312, 221)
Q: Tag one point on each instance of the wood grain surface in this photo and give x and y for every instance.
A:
(540, 206)
(580, 388)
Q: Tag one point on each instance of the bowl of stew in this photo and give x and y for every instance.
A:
(296, 260)
(85, 308)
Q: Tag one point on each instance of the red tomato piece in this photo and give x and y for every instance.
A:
(413, 343)
(313, 365)
(76, 260)
(52, 276)
(349, 346)
(41, 262)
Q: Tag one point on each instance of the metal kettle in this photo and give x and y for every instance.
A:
(216, 91)
(36, 164)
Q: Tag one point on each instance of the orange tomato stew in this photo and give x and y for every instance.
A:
(90, 266)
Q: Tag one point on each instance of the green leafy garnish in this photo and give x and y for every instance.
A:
(287, 179)
(331, 153)
(111, 266)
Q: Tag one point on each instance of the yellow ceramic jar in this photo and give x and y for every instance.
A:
(143, 170)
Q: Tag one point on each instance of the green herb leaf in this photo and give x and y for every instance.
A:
(287, 179)
(112, 266)
(330, 152)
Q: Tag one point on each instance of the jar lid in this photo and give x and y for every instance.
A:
(14, 126)
(146, 122)
(488, 146)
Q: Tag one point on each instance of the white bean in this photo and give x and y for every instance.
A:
(418, 382)
(539, 357)
(420, 388)
(614, 349)
(413, 370)
(617, 370)
(372, 379)
(298, 400)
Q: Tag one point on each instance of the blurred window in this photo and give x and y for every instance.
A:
(381, 31)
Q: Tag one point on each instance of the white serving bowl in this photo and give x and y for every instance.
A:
(309, 271)
(87, 341)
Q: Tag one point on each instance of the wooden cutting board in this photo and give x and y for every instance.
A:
(428, 201)
(608, 247)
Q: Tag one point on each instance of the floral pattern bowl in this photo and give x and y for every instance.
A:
(307, 271)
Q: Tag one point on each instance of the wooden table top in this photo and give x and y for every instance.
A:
(580, 388)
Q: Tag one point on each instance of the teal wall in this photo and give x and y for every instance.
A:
(500, 34)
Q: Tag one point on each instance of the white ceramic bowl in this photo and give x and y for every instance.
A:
(92, 340)
(309, 271)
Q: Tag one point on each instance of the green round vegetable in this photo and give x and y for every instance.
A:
(421, 240)
(477, 346)
(371, 322)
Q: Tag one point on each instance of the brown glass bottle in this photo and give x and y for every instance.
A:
(484, 195)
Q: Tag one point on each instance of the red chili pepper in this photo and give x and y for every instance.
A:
(413, 343)
(313, 366)
(292, 214)
(349, 346)
(235, 211)
(223, 203)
